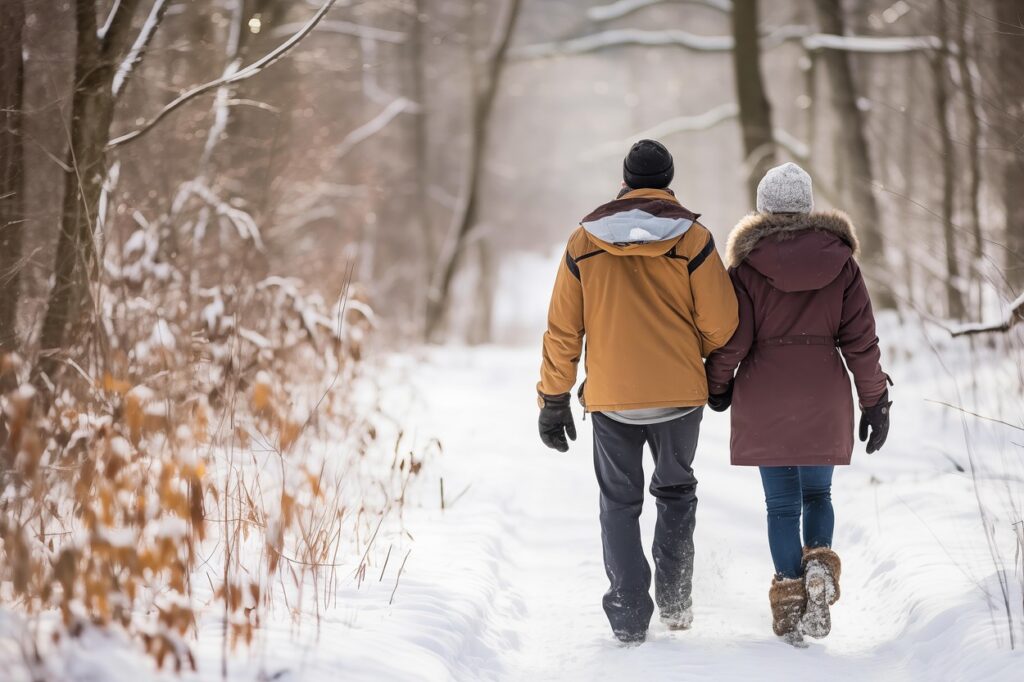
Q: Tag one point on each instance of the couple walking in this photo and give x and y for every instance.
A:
(668, 329)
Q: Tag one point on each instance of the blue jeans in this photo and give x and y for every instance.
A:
(788, 491)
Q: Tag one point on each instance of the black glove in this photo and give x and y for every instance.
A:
(877, 418)
(721, 401)
(556, 422)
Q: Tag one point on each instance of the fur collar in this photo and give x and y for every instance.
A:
(756, 226)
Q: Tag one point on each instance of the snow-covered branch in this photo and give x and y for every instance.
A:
(243, 222)
(349, 29)
(876, 44)
(1016, 315)
(698, 123)
(242, 74)
(374, 125)
(811, 41)
(680, 124)
(620, 37)
(113, 35)
(102, 31)
(791, 143)
(621, 8)
(138, 49)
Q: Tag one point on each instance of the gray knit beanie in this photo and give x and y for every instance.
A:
(785, 189)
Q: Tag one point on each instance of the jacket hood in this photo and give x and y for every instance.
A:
(642, 222)
(795, 252)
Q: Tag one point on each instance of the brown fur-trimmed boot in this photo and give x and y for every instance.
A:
(821, 580)
(788, 599)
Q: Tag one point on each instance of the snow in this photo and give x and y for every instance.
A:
(621, 8)
(505, 582)
(723, 43)
(873, 44)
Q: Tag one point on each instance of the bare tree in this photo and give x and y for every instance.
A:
(12, 168)
(940, 88)
(98, 52)
(1009, 39)
(754, 109)
(964, 54)
(467, 214)
(853, 147)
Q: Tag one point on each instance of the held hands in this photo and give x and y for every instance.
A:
(720, 402)
(556, 421)
(877, 418)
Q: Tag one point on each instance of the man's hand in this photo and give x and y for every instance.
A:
(720, 402)
(877, 419)
(556, 421)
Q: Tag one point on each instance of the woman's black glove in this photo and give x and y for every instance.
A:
(877, 418)
(720, 402)
(555, 421)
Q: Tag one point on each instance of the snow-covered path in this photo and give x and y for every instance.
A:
(523, 541)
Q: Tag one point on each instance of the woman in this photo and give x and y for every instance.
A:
(804, 309)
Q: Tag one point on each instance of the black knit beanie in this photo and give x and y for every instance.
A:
(648, 164)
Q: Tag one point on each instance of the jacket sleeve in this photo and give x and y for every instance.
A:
(563, 340)
(714, 302)
(721, 365)
(858, 341)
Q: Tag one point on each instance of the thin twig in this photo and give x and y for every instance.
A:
(399, 577)
(975, 414)
(240, 75)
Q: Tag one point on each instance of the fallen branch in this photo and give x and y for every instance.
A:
(243, 74)
(1016, 315)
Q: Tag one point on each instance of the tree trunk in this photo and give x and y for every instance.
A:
(92, 110)
(755, 111)
(421, 150)
(1009, 39)
(12, 169)
(852, 147)
(940, 85)
(468, 212)
(973, 128)
(482, 320)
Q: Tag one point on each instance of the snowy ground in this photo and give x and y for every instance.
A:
(523, 543)
(505, 583)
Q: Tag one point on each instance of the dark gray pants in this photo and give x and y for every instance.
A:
(618, 461)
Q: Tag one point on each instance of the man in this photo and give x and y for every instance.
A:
(642, 281)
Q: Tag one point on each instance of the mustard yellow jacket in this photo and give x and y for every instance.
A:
(642, 281)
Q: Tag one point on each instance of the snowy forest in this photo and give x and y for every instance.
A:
(274, 276)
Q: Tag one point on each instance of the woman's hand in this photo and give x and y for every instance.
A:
(720, 402)
(877, 420)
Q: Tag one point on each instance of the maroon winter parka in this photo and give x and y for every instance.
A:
(804, 309)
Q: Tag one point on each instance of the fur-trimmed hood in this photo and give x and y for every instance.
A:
(796, 252)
